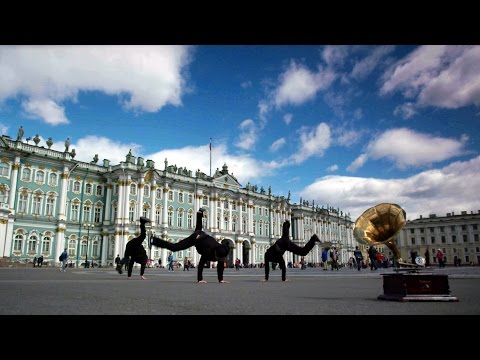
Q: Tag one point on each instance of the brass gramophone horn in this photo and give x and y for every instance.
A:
(379, 224)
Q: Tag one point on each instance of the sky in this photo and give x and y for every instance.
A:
(342, 126)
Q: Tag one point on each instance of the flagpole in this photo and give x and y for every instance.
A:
(210, 157)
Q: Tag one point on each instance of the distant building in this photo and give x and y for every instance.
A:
(456, 234)
(47, 198)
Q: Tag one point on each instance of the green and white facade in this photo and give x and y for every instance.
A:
(47, 198)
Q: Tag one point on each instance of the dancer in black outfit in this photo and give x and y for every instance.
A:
(206, 246)
(275, 252)
(135, 252)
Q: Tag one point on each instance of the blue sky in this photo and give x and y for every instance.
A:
(348, 126)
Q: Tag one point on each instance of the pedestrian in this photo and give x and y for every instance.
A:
(358, 257)
(64, 259)
(135, 252)
(427, 257)
(34, 261)
(275, 252)
(207, 247)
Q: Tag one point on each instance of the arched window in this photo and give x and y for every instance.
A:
(22, 203)
(234, 223)
(18, 244)
(190, 219)
(133, 189)
(76, 186)
(88, 189)
(46, 244)
(72, 246)
(159, 193)
(146, 191)
(50, 206)
(95, 248)
(170, 216)
(32, 244)
(4, 169)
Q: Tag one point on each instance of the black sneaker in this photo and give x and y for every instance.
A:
(144, 220)
(119, 269)
(149, 241)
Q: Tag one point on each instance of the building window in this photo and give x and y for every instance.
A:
(146, 191)
(98, 215)
(114, 212)
(244, 225)
(180, 197)
(454, 239)
(234, 223)
(218, 221)
(432, 229)
(32, 244)
(475, 227)
(422, 230)
(190, 219)
(145, 212)
(50, 206)
(254, 225)
(133, 189)
(225, 222)
(422, 240)
(170, 195)
(464, 227)
(475, 237)
(36, 206)
(158, 193)
(225, 204)
(83, 248)
(88, 189)
(234, 206)
(465, 238)
(72, 247)
(95, 248)
(76, 186)
(170, 215)
(259, 211)
(254, 210)
(443, 240)
(180, 218)
(87, 213)
(22, 203)
(46, 244)
(4, 169)
(244, 209)
(205, 201)
(74, 216)
(442, 229)
(260, 227)
(413, 241)
(452, 228)
(432, 239)
(26, 173)
(131, 212)
(17, 245)
(39, 177)
(99, 190)
(190, 198)
(266, 229)
(53, 179)
(412, 231)
(158, 216)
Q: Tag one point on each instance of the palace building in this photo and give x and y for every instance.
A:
(50, 201)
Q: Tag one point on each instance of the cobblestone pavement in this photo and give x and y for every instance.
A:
(47, 291)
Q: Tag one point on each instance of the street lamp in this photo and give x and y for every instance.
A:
(87, 226)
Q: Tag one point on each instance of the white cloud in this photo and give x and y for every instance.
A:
(248, 135)
(364, 67)
(243, 167)
(246, 84)
(406, 110)
(452, 188)
(332, 168)
(347, 137)
(298, 84)
(442, 76)
(358, 163)
(287, 118)
(406, 148)
(46, 109)
(263, 109)
(87, 147)
(312, 143)
(146, 78)
(4, 130)
(277, 144)
(335, 56)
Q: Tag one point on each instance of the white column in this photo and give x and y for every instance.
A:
(108, 205)
(239, 217)
(63, 195)
(165, 208)
(250, 217)
(13, 189)
(230, 211)
(140, 187)
(272, 230)
(105, 249)
(153, 194)
(222, 209)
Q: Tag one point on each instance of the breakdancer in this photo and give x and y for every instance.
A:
(275, 252)
(135, 252)
(207, 247)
